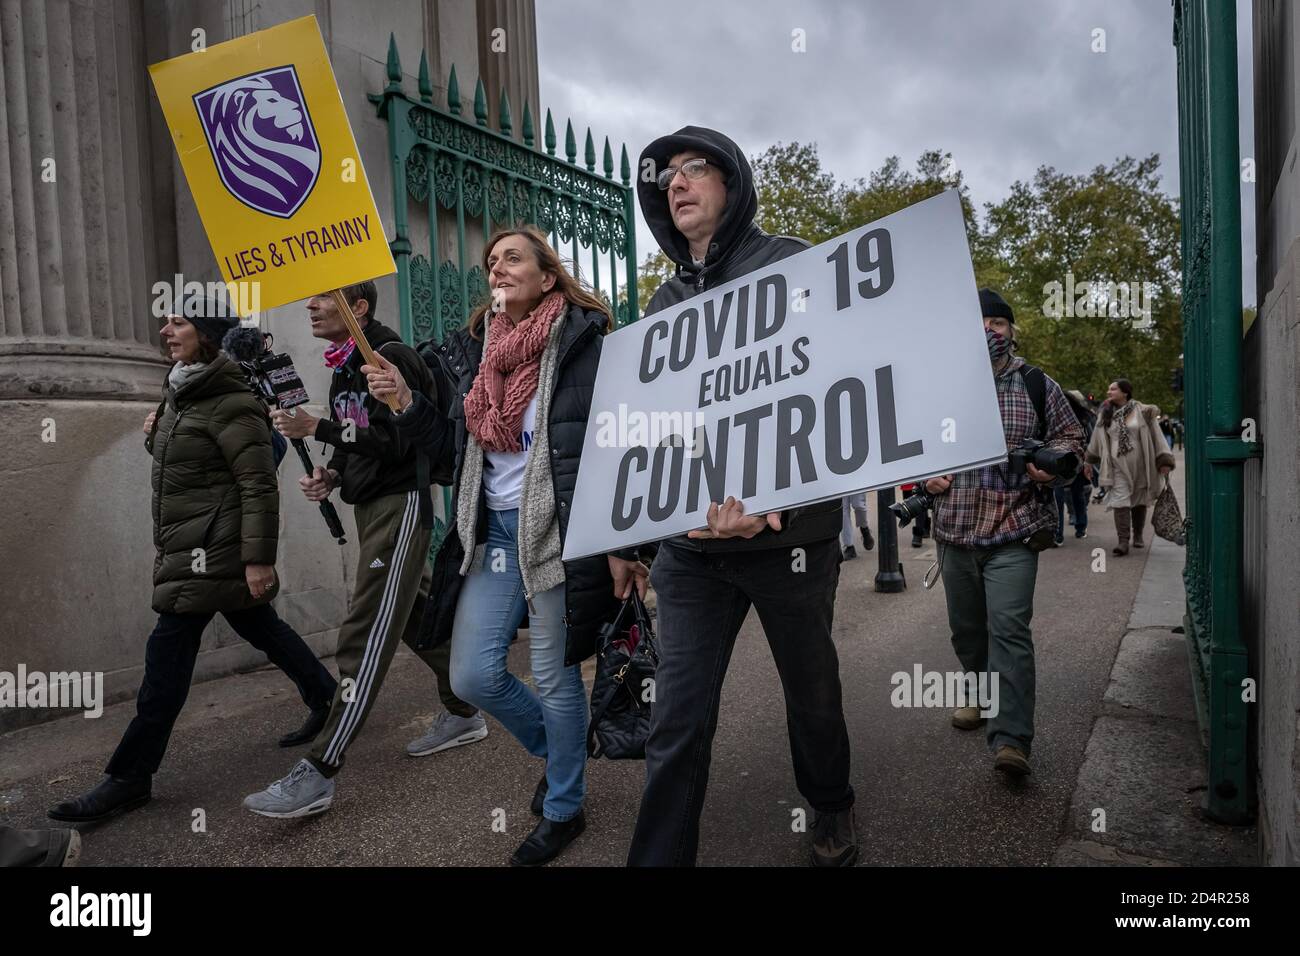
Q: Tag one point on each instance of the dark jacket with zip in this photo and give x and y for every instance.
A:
(737, 248)
(379, 460)
(441, 432)
(215, 489)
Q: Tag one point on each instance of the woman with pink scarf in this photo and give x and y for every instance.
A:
(509, 420)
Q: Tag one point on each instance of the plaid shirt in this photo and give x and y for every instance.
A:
(988, 506)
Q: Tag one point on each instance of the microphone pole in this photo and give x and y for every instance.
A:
(273, 379)
(326, 506)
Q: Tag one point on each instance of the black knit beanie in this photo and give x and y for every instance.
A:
(993, 305)
(213, 317)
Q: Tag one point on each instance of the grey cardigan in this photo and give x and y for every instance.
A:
(540, 564)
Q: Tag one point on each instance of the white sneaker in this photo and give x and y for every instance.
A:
(303, 793)
(447, 731)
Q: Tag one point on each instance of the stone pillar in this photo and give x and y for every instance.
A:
(77, 257)
(80, 367)
(515, 70)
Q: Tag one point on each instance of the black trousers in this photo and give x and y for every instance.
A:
(169, 667)
(703, 600)
(28, 847)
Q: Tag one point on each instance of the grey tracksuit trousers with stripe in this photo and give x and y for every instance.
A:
(393, 559)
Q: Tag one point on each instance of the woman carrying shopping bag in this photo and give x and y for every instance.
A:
(1133, 458)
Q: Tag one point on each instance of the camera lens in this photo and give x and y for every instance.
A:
(910, 507)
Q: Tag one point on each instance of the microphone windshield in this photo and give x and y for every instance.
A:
(243, 343)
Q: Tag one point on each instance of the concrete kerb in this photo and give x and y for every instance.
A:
(1138, 794)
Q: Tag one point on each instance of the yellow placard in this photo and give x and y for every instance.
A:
(274, 169)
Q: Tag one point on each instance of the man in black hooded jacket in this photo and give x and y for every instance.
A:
(697, 194)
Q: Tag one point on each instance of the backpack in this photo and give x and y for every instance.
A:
(441, 391)
(1035, 380)
(1087, 421)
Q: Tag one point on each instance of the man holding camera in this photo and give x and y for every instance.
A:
(381, 475)
(990, 524)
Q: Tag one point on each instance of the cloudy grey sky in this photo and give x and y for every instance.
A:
(1005, 85)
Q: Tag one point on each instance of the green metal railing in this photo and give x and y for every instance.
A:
(463, 176)
(1205, 35)
(477, 174)
(482, 180)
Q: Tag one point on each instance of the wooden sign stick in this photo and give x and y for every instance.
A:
(359, 337)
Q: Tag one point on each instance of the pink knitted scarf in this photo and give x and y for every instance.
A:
(507, 376)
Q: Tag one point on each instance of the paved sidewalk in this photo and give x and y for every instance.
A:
(927, 793)
(1144, 767)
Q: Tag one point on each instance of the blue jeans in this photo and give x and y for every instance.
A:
(852, 507)
(1077, 492)
(550, 722)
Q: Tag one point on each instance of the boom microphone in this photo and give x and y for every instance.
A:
(275, 380)
(244, 343)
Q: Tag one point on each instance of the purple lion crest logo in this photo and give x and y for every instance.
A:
(262, 139)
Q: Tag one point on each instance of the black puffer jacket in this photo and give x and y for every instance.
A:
(441, 432)
(737, 248)
(374, 461)
(214, 488)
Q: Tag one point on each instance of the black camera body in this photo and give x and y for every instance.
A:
(913, 506)
(1031, 451)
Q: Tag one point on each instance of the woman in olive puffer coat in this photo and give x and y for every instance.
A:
(215, 524)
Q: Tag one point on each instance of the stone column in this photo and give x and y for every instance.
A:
(515, 70)
(77, 248)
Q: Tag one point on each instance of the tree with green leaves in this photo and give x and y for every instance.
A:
(656, 269)
(1113, 229)
(796, 197)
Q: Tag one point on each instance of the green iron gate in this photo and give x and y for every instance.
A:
(483, 179)
(1205, 34)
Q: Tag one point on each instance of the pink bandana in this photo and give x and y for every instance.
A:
(336, 355)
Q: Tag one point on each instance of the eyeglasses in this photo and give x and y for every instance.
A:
(692, 169)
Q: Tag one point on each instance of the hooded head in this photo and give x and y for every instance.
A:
(741, 201)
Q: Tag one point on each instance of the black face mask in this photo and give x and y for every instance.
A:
(999, 344)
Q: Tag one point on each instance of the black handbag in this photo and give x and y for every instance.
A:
(623, 692)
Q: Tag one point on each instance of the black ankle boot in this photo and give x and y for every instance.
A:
(114, 795)
(539, 796)
(308, 731)
(547, 840)
(835, 839)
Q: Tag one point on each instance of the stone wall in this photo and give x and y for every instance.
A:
(1272, 494)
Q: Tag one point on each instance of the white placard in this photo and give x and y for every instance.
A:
(859, 363)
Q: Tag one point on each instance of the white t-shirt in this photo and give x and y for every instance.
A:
(503, 472)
